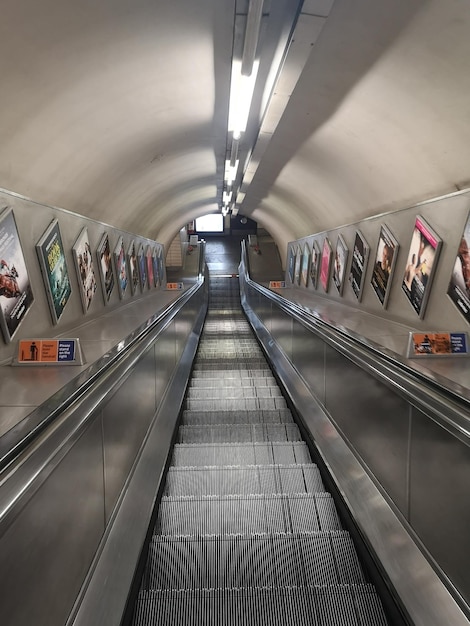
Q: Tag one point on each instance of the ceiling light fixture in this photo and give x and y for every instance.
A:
(241, 95)
(253, 22)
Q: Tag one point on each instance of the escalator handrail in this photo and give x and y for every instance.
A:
(432, 396)
(20, 437)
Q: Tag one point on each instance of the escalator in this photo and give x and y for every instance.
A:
(245, 532)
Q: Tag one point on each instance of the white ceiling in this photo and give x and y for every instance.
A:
(117, 109)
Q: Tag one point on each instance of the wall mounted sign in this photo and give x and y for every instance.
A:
(384, 264)
(437, 344)
(359, 261)
(174, 286)
(49, 352)
(277, 284)
(459, 284)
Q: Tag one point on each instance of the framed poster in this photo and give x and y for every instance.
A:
(291, 263)
(298, 262)
(341, 260)
(149, 258)
(384, 264)
(459, 284)
(16, 295)
(156, 269)
(420, 265)
(142, 266)
(133, 267)
(305, 265)
(85, 269)
(51, 257)
(106, 267)
(325, 265)
(161, 267)
(315, 265)
(359, 262)
(121, 267)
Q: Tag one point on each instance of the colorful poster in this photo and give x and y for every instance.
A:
(133, 267)
(142, 267)
(325, 266)
(420, 265)
(121, 267)
(384, 264)
(16, 295)
(437, 344)
(305, 265)
(51, 257)
(150, 277)
(161, 266)
(459, 285)
(315, 265)
(359, 261)
(106, 267)
(85, 270)
(339, 267)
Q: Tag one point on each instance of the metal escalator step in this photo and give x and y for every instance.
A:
(349, 568)
(236, 373)
(245, 514)
(257, 382)
(368, 605)
(238, 433)
(263, 416)
(231, 404)
(228, 392)
(224, 364)
(285, 606)
(256, 479)
(273, 453)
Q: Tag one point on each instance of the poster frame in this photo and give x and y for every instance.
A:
(133, 266)
(340, 264)
(305, 266)
(416, 293)
(325, 265)
(149, 260)
(315, 265)
(120, 264)
(87, 284)
(291, 263)
(359, 262)
(382, 289)
(298, 263)
(458, 289)
(156, 268)
(142, 261)
(105, 267)
(57, 302)
(25, 299)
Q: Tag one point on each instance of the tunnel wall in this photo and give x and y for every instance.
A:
(447, 216)
(32, 220)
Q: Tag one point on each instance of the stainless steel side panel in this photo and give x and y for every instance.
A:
(308, 357)
(439, 500)
(46, 551)
(373, 419)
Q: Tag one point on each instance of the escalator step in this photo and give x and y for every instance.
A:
(238, 433)
(197, 455)
(275, 416)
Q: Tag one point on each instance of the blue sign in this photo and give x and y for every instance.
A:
(66, 350)
(458, 343)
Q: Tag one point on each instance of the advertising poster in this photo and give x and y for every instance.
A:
(459, 285)
(121, 267)
(133, 268)
(106, 267)
(325, 265)
(156, 269)
(142, 267)
(291, 263)
(359, 261)
(305, 265)
(85, 270)
(150, 277)
(384, 264)
(339, 268)
(298, 263)
(315, 265)
(161, 267)
(16, 295)
(420, 265)
(51, 257)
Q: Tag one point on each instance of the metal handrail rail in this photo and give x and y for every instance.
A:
(448, 408)
(20, 437)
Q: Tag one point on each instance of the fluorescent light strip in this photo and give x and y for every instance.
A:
(241, 95)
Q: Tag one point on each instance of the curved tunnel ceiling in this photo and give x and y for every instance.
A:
(118, 109)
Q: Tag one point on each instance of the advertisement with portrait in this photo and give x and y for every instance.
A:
(420, 265)
(105, 266)
(121, 267)
(359, 261)
(384, 264)
(339, 266)
(459, 284)
(85, 269)
(315, 265)
(325, 266)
